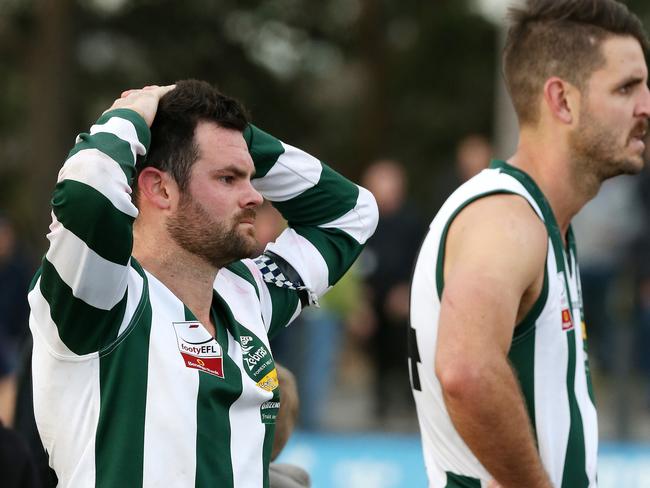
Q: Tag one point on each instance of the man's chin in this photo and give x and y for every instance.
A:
(248, 245)
(635, 165)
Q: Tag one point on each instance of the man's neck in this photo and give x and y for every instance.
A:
(187, 276)
(555, 174)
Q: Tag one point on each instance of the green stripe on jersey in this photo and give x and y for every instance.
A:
(241, 270)
(522, 358)
(264, 149)
(522, 352)
(123, 369)
(574, 475)
(458, 481)
(338, 248)
(214, 399)
(141, 127)
(92, 218)
(82, 327)
(528, 322)
(331, 198)
(112, 146)
(284, 303)
(267, 450)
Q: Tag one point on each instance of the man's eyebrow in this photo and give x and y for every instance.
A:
(631, 81)
(232, 169)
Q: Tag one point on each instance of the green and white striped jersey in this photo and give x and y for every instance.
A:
(130, 390)
(548, 352)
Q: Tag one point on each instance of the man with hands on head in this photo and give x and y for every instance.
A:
(151, 326)
(498, 349)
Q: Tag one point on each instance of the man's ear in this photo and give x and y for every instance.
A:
(157, 187)
(559, 97)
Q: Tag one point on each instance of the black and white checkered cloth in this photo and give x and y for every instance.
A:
(277, 271)
(271, 273)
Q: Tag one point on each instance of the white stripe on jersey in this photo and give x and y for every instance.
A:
(67, 426)
(125, 130)
(551, 398)
(352, 222)
(46, 329)
(305, 259)
(294, 173)
(168, 431)
(79, 266)
(97, 170)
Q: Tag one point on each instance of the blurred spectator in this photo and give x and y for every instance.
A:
(315, 344)
(387, 262)
(24, 422)
(16, 466)
(269, 224)
(473, 154)
(606, 229)
(312, 347)
(642, 268)
(15, 274)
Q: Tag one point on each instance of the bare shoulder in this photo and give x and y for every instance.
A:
(497, 236)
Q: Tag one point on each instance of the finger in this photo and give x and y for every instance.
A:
(126, 93)
(162, 90)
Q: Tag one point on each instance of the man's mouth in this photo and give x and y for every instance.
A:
(640, 131)
(247, 217)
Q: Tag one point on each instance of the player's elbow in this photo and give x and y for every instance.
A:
(368, 212)
(460, 378)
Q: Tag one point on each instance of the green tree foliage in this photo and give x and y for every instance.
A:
(349, 80)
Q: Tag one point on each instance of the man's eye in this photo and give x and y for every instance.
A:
(227, 179)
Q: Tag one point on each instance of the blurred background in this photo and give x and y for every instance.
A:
(405, 97)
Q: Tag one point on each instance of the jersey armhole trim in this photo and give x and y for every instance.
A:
(440, 274)
(144, 298)
(527, 324)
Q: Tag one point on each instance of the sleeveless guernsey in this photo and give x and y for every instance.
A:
(548, 351)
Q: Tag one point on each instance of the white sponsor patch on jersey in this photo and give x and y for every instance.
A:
(198, 348)
(567, 322)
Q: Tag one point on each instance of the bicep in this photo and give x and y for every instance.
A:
(495, 251)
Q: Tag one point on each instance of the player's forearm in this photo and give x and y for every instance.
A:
(488, 411)
(329, 213)
(306, 191)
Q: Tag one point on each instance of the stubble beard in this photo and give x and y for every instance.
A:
(597, 152)
(217, 242)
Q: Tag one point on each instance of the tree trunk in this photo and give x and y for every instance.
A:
(49, 67)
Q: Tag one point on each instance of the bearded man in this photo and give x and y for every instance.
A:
(151, 326)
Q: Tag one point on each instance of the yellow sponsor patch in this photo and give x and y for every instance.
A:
(584, 331)
(270, 381)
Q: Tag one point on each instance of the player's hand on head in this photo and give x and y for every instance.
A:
(143, 101)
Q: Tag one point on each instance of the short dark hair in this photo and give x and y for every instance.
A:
(560, 38)
(173, 148)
